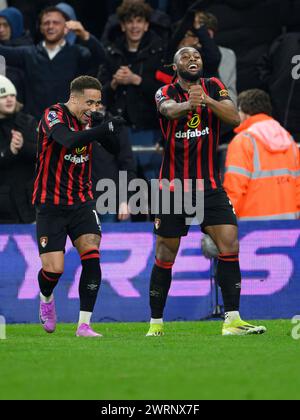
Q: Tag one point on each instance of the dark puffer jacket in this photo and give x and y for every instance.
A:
(17, 171)
(135, 103)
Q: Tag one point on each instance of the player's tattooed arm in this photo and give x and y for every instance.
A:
(225, 110)
(173, 110)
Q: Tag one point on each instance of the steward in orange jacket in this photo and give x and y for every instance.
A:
(262, 166)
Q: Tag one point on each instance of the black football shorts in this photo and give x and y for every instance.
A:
(218, 210)
(55, 223)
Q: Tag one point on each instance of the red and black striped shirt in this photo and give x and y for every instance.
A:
(63, 176)
(191, 142)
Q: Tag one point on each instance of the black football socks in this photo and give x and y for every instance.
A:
(230, 279)
(48, 282)
(160, 284)
(90, 280)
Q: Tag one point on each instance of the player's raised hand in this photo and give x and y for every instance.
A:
(197, 96)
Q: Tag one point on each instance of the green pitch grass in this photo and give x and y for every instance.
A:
(191, 362)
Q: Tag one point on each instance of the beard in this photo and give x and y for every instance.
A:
(189, 77)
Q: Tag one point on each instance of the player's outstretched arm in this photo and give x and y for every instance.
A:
(173, 110)
(106, 134)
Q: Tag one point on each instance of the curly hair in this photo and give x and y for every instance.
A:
(133, 9)
(255, 101)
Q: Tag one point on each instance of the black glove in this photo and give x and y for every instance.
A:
(112, 126)
(110, 131)
(97, 118)
(115, 125)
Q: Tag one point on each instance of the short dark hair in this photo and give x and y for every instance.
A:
(85, 82)
(255, 101)
(129, 10)
(52, 9)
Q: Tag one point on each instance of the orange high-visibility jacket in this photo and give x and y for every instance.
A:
(263, 171)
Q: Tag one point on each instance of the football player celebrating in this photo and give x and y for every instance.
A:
(63, 196)
(191, 111)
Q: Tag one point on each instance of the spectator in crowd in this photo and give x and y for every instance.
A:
(279, 76)
(129, 79)
(51, 65)
(160, 23)
(93, 14)
(12, 34)
(227, 68)
(12, 30)
(69, 11)
(108, 166)
(17, 157)
(262, 168)
(191, 31)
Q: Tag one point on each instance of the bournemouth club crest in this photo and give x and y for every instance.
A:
(44, 242)
(157, 223)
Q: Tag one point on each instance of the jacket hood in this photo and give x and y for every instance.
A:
(69, 11)
(271, 134)
(15, 20)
